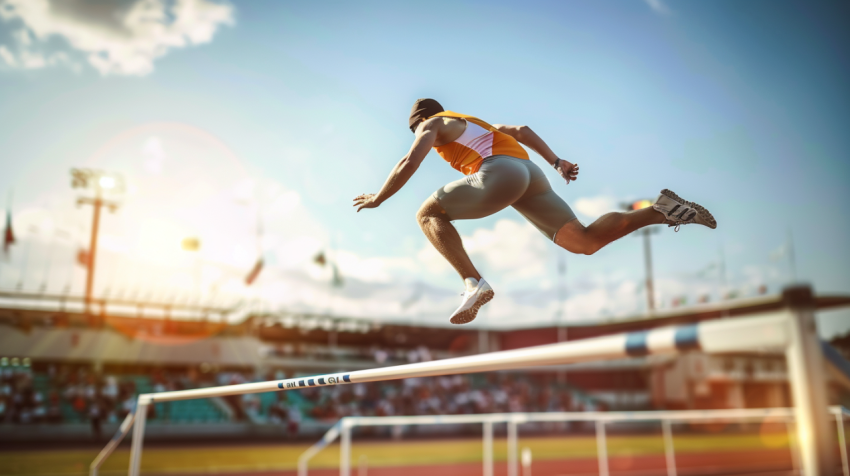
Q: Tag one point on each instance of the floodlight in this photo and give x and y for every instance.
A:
(641, 204)
(106, 182)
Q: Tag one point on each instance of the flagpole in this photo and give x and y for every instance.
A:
(562, 314)
(792, 258)
(8, 234)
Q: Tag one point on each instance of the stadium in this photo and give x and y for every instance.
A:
(193, 281)
(75, 376)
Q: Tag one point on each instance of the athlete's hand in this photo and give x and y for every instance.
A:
(366, 200)
(568, 170)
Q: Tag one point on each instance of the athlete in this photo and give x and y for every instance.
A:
(498, 173)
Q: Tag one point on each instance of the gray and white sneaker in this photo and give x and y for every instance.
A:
(477, 294)
(682, 212)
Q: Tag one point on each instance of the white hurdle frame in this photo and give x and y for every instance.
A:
(792, 329)
(123, 429)
(513, 420)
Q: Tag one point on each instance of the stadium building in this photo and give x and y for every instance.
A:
(77, 372)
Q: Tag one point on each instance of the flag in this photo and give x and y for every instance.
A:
(9, 235)
(255, 271)
(336, 278)
(191, 244)
(336, 281)
(83, 258)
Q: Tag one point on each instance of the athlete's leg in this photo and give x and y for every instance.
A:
(499, 183)
(586, 240)
(553, 217)
(445, 238)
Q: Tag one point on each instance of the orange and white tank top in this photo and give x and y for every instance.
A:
(479, 141)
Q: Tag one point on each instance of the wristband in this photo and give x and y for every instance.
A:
(557, 161)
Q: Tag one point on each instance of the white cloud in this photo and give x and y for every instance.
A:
(123, 38)
(594, 207)
(514, 250)
(372, 269)
(511, 250)
(7, 56)
(658, 6)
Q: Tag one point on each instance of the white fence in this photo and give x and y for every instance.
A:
(343, 429)
(792, 330)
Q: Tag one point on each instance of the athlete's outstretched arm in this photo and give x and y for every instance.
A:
(402, 171)
(524, 134)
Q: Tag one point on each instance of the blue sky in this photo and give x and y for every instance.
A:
(216, 114)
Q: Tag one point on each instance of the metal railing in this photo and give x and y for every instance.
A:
(342, 431)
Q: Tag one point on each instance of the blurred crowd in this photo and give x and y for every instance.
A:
(458, 394)
(20, 403)
(90, 397)
(84, 396)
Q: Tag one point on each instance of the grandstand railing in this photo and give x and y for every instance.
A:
(343, 429)
(792, 330)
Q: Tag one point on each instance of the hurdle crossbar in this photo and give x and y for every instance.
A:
(792, 330)
(752, 334)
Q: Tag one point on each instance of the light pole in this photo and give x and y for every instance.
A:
(98, 182)
(647, 251)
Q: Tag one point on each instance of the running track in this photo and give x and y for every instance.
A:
(751, 463)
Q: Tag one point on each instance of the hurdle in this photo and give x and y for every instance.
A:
(342, 431)
(123, 429)
(791, 330)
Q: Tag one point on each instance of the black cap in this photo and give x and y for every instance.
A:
(423, 109)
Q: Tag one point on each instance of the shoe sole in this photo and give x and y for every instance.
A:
(706, 218)
(467, 316)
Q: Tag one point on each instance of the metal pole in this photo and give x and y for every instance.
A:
(793, 447)
(327, 439)
(601, 448)
(839, 421)
(138, 436)
(345, 450)
(808, 384)
(92, 251)
(488, 448)
(647, 259)
(363, 467)
(526, 461)
(669, 450)
(513, 469)
(123, 429)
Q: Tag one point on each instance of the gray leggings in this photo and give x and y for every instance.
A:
(501, 181)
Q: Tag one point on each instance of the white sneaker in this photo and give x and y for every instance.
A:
(682, 212)
(477, 294)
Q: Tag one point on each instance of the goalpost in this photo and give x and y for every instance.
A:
(791, 330)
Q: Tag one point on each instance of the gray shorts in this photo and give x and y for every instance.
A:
(503, 181)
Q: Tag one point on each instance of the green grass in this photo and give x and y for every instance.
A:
(214, 459)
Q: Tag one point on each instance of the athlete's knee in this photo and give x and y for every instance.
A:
(590, 248)
(422, 218)
(589, 244)
(580, 247)
(426, 216)
(576, 238)
(429, 212)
